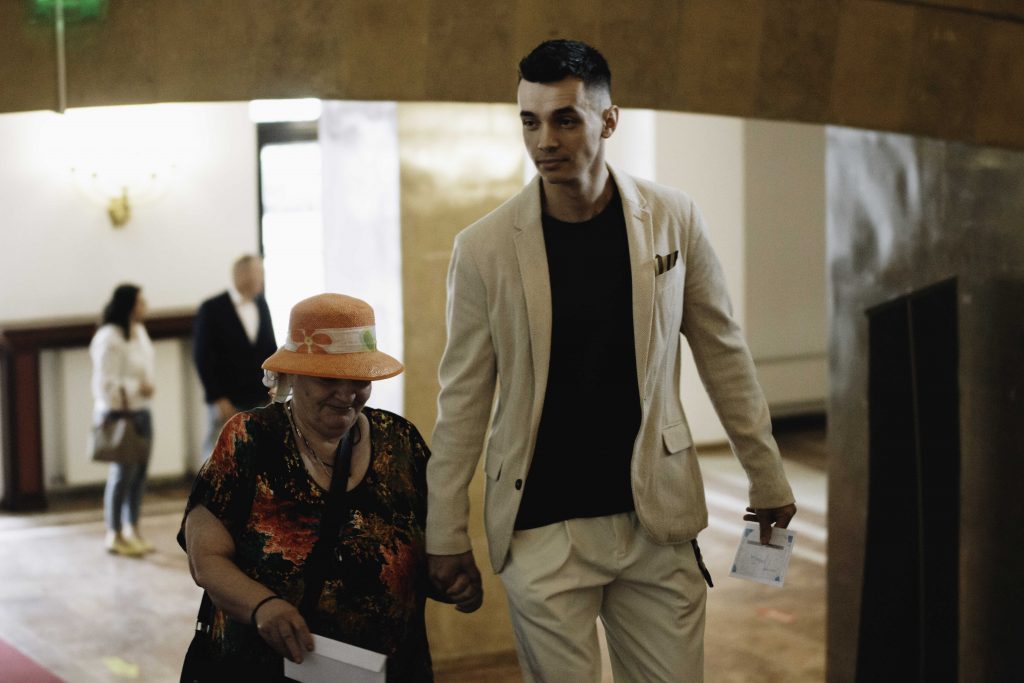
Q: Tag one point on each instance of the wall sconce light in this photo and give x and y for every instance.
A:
(119, 209)
(118, 191)
(121, 158)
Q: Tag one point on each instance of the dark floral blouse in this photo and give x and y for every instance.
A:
(376, 585)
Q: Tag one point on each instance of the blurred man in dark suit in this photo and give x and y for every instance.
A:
(233, 336)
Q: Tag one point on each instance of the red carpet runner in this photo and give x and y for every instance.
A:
(17, 668)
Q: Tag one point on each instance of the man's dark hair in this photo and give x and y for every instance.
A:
(553, 60)
(118, 310)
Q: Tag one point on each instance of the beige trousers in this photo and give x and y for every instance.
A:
(562, 577)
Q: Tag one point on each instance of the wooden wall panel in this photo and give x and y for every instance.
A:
(28, 61)
(948, 69)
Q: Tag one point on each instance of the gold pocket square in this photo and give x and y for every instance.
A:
(666, 262)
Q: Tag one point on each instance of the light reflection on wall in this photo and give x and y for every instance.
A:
(362, 243)
(132, 150)
(293, 232)
(458, 162)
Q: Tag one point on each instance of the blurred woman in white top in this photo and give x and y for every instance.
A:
(122, 380)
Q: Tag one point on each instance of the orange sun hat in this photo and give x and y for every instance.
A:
(333, 335)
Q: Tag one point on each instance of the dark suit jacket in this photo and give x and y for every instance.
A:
(228, 363)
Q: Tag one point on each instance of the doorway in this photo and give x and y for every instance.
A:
(909, 606)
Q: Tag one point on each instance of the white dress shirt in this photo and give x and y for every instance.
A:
(247, 312)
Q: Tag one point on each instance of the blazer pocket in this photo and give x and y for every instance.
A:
(677, 437)
(669, 285)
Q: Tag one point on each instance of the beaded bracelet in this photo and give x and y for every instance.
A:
(252, 618)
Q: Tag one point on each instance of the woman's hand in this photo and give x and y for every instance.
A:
(284, 629)
(146, 389)
(211, 552)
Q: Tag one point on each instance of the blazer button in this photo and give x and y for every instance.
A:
(339, 555)
(519, 484)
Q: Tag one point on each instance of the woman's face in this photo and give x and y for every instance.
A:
(329, 406)
(140, 309)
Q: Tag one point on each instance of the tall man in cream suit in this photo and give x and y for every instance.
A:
(568, 301)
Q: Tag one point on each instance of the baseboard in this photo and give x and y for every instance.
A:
(459, 664)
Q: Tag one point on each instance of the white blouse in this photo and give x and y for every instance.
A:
(120, 363)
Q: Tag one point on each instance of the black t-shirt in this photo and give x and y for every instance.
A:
(591, 410)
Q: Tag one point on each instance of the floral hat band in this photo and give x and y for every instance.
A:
(333, 340)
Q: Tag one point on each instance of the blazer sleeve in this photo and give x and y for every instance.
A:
(467, 376)
(727, 370)
(266, 339)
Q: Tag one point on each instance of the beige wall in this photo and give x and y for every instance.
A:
(457, 163)
(760, 187)
(785, 313)
(179, 246)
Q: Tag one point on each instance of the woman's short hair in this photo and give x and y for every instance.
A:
(279, 384)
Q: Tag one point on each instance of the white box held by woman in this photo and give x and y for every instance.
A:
(332, 661)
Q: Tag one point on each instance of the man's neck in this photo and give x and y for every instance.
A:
(238, 298)
(579, 201)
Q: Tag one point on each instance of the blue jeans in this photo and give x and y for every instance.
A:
(215, 424)
(122, 498)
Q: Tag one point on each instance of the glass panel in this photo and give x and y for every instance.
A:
(293, 234)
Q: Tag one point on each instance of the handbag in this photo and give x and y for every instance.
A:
(119, 437)
(200, 666)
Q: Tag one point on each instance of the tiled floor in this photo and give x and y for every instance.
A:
(94, 618)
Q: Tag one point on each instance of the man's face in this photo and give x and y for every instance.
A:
(564, 127)
(249, 279)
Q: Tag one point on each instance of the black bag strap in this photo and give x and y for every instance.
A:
(334, 515)
(115, 414)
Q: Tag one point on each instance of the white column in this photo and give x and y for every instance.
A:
(362, 230)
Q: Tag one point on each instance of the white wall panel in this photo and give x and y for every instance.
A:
(61, 254)
(68, 413)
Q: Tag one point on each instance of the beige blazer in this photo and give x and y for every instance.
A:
(499, 337)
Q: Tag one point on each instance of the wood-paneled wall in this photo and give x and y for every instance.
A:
(946, 68)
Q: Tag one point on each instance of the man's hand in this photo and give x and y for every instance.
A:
(225, 408)
(766, 516)
(458, 579)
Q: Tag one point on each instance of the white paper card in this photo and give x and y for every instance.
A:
(763, 563)
(332, 661)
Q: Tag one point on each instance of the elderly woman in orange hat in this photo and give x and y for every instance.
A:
(309, 515)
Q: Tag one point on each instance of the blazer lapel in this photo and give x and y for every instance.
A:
(533, 271)
(640, 233)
